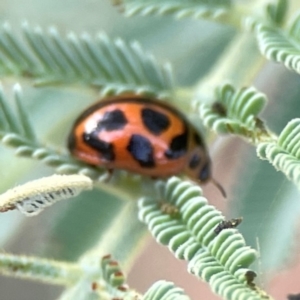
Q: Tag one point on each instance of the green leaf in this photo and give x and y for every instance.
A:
(112, 65)
(164, 290)
(8, 120)
(190, 235)
(284, 154)
(277, 11)
(16, 131)
(235, 112)
(278, 44)
(17, 125)
(23, 118)
(180, 9)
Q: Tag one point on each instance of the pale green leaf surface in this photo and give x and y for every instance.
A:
(180, 9)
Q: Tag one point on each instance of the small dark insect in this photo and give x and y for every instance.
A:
(260, 124)
(219, 108)
(293, 297)
(250, 276)
(232, 223)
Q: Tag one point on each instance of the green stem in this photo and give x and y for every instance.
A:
(33, 268)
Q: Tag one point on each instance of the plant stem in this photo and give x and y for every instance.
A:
(39, 269)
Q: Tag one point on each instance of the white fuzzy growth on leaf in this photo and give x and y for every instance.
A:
(32, 197)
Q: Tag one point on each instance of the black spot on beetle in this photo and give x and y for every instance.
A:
(178, 146)
(195, 161)
(141, 150)
(112, 120)
(155, 121)
(204, 172)
(104, 148)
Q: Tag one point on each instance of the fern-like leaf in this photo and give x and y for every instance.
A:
(235, 112)
(164, 290)
(19, 126)
(111, 271)
(180, 9)
(102, 279)
(277, 44)
(112, 65)
(221, 259)
(284, 154)
(16, 131)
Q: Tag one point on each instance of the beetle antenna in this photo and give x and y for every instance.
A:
(219, 187)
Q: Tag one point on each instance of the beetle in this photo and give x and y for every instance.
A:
(142, 135)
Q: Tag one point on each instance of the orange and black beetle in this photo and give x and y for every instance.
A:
(142, 135)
